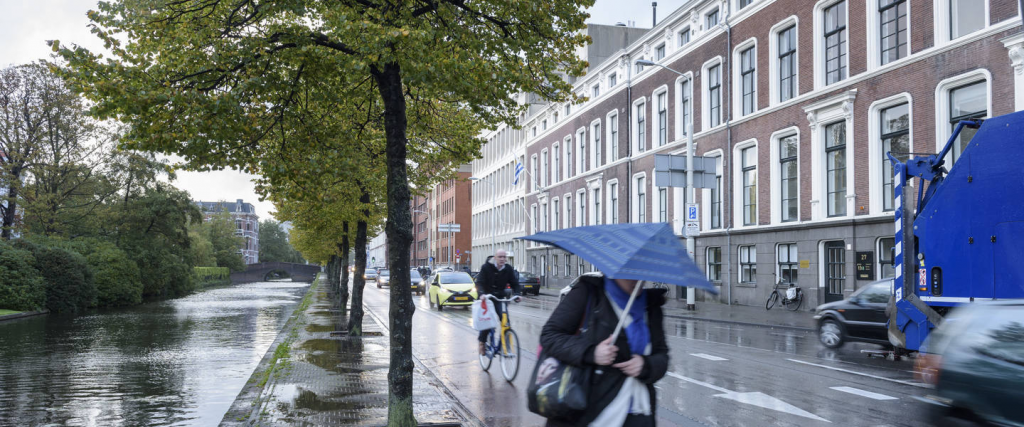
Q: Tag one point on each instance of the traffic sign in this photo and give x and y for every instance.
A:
(691, 211)
(449, 228)
(692, 229)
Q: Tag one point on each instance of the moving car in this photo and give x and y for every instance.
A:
(861, 317)
(529, 282)
(416, 282)
(383, 278)
(451, 288)
(370, 274)
(975, 360)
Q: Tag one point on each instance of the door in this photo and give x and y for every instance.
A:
(866, 313)
(835, 270)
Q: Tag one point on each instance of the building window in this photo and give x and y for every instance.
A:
(533, 172)
(595, 91)
(641, 138)
(579, 265)
(638, 68)
(886, 248)
(556, 161)
(748, 264)
(892, 16)
(612, 80)
(715, 95)
(544, 124)
(685, 105)
(568, 109)
(596, 134)
(749, 175)
(966, 103)
(895, 133)
(716, 203)
(747, 76)
(788, 171)
(714, 264)
(581, 212)
(613, 128)
(787, 63)
(745, 3)
(684, 36)
(788, 263)
(641, 199)
(581, 153)
(568, 265)
(595, 198)
(554, 265)
(544, 168)
(568, 156)
(659, 52)
(835, 43)
(534, 131)
(662, 204)
(711, 19)
(835, 163)
(555, 223)
(966, 16)
(613, 203)
(662, 119)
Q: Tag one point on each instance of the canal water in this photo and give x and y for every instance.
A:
(176, 362)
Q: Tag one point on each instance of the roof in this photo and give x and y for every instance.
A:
(233, 207)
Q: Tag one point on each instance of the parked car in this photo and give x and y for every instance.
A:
(383, 278)
(473, 274)
(861, 317)
(416, 282)
(529, 282)
(451, 288)
(370, 274)
(975, 360)
(565, 291)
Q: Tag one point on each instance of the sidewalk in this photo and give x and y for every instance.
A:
(319, 379)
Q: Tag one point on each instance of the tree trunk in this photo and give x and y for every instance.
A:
(355, 320)
(332, 275)
(343, 294)
(10, 211)
(399, 235)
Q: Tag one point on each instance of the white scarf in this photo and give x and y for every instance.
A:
(633, 397)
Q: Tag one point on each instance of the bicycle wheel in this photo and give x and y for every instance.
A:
(510, 356)
(772, 299)
(488, 356)
(794, 304)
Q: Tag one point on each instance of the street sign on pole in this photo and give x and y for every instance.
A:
(449, 228)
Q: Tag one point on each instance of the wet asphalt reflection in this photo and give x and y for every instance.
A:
(175, 362)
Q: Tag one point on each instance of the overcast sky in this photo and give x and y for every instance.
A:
(25, 25)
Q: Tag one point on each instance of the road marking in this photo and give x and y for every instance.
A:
(910, 383)
(708, 356)
(863, 393)
(752, 398)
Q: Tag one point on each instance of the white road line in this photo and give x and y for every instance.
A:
(700, 383)
(863, 393)
(708, 357)
(755, 398)
(910, 383)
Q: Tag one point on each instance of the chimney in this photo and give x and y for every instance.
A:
(654, 14)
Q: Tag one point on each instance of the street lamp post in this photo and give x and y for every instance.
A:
(429, 259)
(493, 196)
(690, 243)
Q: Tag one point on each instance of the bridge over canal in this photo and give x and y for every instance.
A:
(261, 272)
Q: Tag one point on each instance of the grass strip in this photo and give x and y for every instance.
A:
(4, 312)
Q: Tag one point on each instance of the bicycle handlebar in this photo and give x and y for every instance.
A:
(513, 299)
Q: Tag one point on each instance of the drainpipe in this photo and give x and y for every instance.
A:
(629, 138)
(727, 166)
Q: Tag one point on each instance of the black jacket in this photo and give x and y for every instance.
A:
(559, 339)
(491, 281)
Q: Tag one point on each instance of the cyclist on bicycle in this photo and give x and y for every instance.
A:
(495, 275)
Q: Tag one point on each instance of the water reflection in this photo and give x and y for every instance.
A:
(168, 363)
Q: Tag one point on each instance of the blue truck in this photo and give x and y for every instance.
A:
(965, 243)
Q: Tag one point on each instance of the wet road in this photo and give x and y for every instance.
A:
(719, 374)
(176, 362)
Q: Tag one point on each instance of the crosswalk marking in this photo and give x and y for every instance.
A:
(755, 398)
(708, 357)
(910, 383)
(863, 393)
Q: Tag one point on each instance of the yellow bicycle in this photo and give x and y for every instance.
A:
(508, 347)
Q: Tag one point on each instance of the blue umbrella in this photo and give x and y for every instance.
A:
(645, 251)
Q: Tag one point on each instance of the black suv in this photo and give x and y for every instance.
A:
(861, 317)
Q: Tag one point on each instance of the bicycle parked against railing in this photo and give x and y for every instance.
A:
(506, 345)
(792, 298)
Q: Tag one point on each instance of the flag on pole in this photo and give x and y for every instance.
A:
(519, 169)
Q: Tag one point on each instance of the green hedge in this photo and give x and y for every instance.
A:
(23, 287)
(206, 276)
(69, 282)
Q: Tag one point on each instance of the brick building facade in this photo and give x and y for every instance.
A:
(798, 101)
(247, 225)
(449, 202)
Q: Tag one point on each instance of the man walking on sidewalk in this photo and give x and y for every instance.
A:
(494, 276)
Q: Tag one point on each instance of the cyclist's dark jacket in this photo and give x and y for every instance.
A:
(492, 281)
(559, 339)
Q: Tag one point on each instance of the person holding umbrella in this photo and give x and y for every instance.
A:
(624, 340)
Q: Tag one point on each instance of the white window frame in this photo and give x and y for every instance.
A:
(595, 150)
(707, 264)
(655, 132)
(680, 127)
(819, 42)
(639, 147)
(634, 215)
(544, 167)
(661, 49)
(942, 21)
(595, 211)
(595, 90)
(874, 28)
(705, 105)
(820, 115)
(613, 80)
(610, 195)
(875, 164)
(581, 152)
(737, 185)
(567, 156)
(667, 206)
(740, 263)
(705, 194)
(567, 210)
(776, 174)
(611, 149)
(534, 167)
(774, 86)
(942, 91)
(555, 166)
(679, 36)
(555, 214)
(533, 221)
(737, 76)
(707, 13)
(581, 207)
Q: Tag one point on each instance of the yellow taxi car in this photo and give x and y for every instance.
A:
(451, 288)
